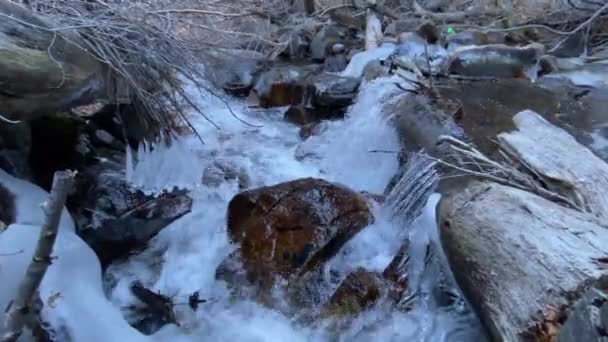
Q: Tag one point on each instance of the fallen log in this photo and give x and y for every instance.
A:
(521, 260)
(42, 69)
(564, 166)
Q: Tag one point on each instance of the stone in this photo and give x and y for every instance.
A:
(324, 40)
(373, 70)
(338, 48)
(587, 320)
(234, 70)
(401, 26)
(299, 43)
(497, 61)
(283, 85)
(221, 171)
(429, 32)
(334, 91)
(359, 291)
(304, 116)
(335, 63)
(289, 229)
(231, 271)
(421, 120)
(310, 130)
(117, 220)
(573, 46)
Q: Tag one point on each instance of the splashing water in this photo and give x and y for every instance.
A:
(416, 183)
(183, 258)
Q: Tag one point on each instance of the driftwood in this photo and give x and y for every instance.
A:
(373, 30)
(523, 260)
(564, 165)
(520, 260)
(42, 70)
(20, 309)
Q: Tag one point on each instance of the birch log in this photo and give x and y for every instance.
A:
(19, 309)
(373, 27)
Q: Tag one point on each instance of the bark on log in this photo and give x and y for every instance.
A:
(564, 165)
(373, 30)
(20, 309)
(520, 260)
(43, 69)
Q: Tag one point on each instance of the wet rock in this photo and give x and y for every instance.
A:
(299, 43)
(359, 291)
(402, 25)
(420, 120)
(234, 70)
(312, 130)
(587, 319)
(156, 310)
(498, 61)
(377, 198)
(117, 220)
(231, 271)
(221, 171)
(289, 229)
(283, 85)
(373, 70)
(304, 116)
(124, 123)
(335, 63)
(323, 42)
(429, 32)
(334, 91)
(338, 48)
(573, 46)
(489, 106)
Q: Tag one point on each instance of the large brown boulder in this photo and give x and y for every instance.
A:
(289, 229)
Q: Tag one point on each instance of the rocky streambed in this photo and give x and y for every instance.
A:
(322, 207)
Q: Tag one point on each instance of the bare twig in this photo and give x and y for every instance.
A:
(20, 307)
(505, 174)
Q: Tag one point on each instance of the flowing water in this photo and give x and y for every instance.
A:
(183, 258)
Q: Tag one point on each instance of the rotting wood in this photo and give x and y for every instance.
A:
(520, 260)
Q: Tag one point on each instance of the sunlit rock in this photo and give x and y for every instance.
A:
(292, 228)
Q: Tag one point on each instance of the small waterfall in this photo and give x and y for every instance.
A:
(417, 181)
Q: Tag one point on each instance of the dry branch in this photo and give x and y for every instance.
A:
(20, 309)
(472, 162)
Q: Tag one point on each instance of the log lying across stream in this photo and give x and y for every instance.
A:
(43, 69)
(524, 261)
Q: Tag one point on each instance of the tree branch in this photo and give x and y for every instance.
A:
(20, 309)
